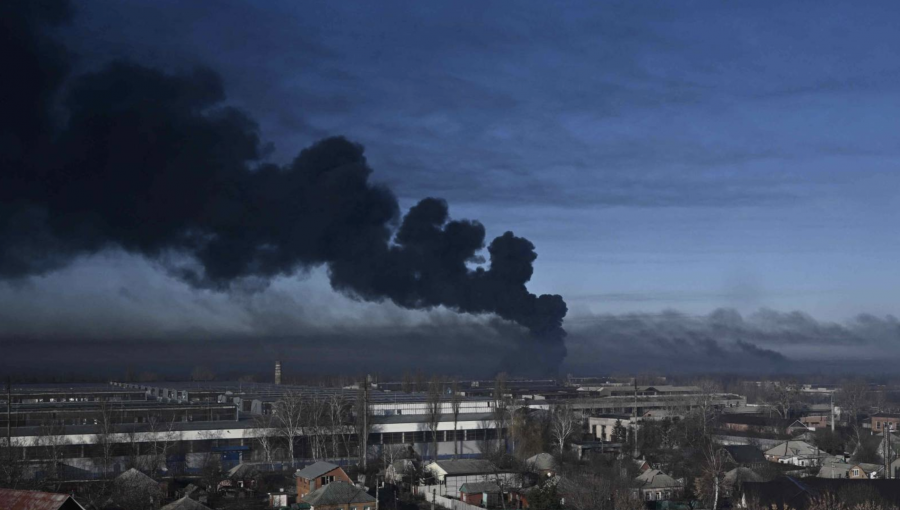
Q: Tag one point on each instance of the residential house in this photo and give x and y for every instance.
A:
(880, 421)
(735, 478)
(789, 492)
(450, 475)
(816, 421)
(185, 503)
(318, 475)
(132, 489)
(240, 478)
(835, 468)
(543, 464)
(486, 494)
(11, 499)
(796, 453)
(603, 427)
(747, 456)
(796, 427)
(654, 485)
(339, 495)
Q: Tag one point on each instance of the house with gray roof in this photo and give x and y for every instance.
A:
(654, 485)
(339, 496)
(318, 475)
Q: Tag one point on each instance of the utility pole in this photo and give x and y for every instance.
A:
(364, 440)
(9, 415)
(634, 424)
(832, 411)
(887, 449)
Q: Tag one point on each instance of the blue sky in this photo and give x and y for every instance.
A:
(659, 154)
(687, 154)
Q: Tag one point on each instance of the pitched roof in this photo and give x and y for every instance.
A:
(242, 471)
(133, 477)
(798, 448)
(742, 475)
(839, 469)
(338, 493)
(11, 499)
(315, 470)
(477, 487)
(787, 491)
(541, 462)
(656, 479)
(745, 454)
(465, 466)
(185, 503)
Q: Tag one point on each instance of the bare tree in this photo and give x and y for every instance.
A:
(266, 429)
(362, 423)
(163, 437)
(704, 404)
(501, 409)
(50, 442)
(853, 397)
(455, 405)
(314, 421)
(710, 485)
(336, 414)
(563, 424)
(289, 418)
(434, 404)
(781, 396)
(407, 384)
(105, 438)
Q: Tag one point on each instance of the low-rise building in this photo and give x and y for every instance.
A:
(486, 494)
(318, 475)
(339, 495)
(747, 456)
(185, 503)
(543, 464)
(835, 468)
(880, 421)
(11, 499)
(796, 453)
(605, 427)
(816, 421)
(654, 485)
(450, 475)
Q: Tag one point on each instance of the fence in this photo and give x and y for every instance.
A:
(452, 504)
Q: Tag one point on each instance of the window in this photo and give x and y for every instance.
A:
(855, 472)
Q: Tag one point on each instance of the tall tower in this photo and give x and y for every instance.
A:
(278, 372)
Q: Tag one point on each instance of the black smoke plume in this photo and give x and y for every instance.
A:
(157, 164)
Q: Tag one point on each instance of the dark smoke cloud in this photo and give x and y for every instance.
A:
(726, 341)
(158, 165)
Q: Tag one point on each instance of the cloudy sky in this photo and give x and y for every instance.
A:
(667, 160)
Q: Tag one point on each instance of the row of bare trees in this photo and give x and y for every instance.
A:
(327, 422)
